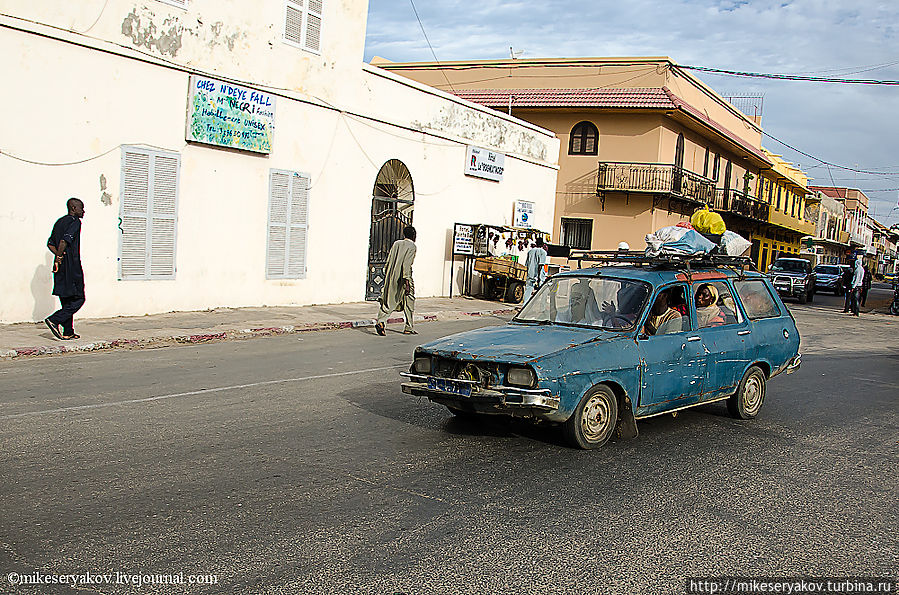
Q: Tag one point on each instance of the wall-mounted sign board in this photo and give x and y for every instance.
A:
(227, 115)
(482, 163)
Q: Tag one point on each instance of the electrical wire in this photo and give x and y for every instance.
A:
(788, 77)
(828, 163)
(429, 44)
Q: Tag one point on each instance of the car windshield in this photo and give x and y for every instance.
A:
(828, 270)
(595, 302)
(790, 266)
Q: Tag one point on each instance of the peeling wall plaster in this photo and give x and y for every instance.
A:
(474, 125)
(165, 34)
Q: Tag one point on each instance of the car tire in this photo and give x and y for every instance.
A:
(594, 419)
(894, 309)
(750, 395)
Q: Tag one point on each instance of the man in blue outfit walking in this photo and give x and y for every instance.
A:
(68, 276)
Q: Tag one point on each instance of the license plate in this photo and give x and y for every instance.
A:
(449, 386)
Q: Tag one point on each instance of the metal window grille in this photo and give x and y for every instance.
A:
(577, 233)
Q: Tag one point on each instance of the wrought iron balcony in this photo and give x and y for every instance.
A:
(655, 178)
(740, 203)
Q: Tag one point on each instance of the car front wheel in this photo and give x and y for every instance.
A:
(593, 421)
(750, 395)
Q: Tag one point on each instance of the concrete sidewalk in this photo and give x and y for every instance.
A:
(221, 324)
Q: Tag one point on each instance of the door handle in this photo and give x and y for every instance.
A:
(746, 332)
(694, 338)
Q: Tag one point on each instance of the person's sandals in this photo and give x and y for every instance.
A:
(379, 327)
(54, 328)
(410, 332)
(72, 336)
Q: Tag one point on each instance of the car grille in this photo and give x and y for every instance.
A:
(484, 373)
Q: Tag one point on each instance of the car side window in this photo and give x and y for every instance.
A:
(669, 313)
(756, 299)
(715, 305)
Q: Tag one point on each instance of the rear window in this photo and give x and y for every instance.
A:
(828, 270)
(790, 266)
(757, 300)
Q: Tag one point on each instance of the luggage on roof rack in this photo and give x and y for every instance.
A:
(635, 258)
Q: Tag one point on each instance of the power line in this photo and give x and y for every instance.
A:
(430, 46)
(790, 77)
(828, 163)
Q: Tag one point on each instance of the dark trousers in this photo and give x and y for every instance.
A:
(848, 294)
(853, 300)
(64, 315)
(864, 295)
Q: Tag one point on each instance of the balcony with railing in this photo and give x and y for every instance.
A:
(742, 204)
(654, 178)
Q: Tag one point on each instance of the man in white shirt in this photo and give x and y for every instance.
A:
(858, 277)
(535, 262)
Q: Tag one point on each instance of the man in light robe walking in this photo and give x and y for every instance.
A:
(535, 262)
(399, 291)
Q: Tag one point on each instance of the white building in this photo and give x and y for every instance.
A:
(294, 147)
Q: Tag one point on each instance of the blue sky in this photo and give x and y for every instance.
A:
(851, 125)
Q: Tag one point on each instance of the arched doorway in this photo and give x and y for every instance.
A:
(392, 201)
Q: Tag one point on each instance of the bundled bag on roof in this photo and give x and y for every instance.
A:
(690, 243)
(705, 221)
(734, 244)
(655, 240)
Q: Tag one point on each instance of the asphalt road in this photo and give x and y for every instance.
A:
(295, 465)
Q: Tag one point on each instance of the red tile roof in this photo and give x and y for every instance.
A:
(660, 98)
(604, 98)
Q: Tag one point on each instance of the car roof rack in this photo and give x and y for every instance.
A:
(670, 261)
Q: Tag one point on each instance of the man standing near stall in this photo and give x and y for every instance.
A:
(68, 276)
(536, 264)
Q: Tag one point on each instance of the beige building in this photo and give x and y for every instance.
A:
(830, 243)
(644, 143)
(236, 154)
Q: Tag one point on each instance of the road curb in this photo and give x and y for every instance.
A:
(237, 334)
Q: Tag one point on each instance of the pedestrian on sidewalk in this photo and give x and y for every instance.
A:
(866, 285)
(858, 278)
(535, 263)
(846, 281)
(399, 291)
(68, 276)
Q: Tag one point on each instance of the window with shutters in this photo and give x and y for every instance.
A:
(148, 214)
(583, 140)
(178, 3)
(288, 221)
(303, 24)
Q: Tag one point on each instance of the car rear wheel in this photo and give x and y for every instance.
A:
(750, 395)
(594, 420)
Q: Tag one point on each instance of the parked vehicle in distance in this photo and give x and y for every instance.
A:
(596, 349)
(793, 277)
(829, 277)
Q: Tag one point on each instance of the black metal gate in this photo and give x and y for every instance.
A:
(391, 211)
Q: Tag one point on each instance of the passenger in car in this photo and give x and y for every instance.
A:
(663, 319)
(581, 307)
(707, 311)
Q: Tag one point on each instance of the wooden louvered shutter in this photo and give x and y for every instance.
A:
(162, 220)
(134, 215)
(148, 213)
(313, 25)
(278, 206)
(299, 199)
(285, 256)
(293, 21)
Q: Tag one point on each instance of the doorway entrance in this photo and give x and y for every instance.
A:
(392, 201)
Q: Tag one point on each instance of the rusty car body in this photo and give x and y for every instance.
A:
(587, 351)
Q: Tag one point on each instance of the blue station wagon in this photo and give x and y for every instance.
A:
(596, 349)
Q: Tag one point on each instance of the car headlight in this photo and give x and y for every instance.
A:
(523, 377)
(422, 364)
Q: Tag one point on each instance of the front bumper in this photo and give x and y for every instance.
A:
(499, 399)
(790, 290)
(794, 364)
